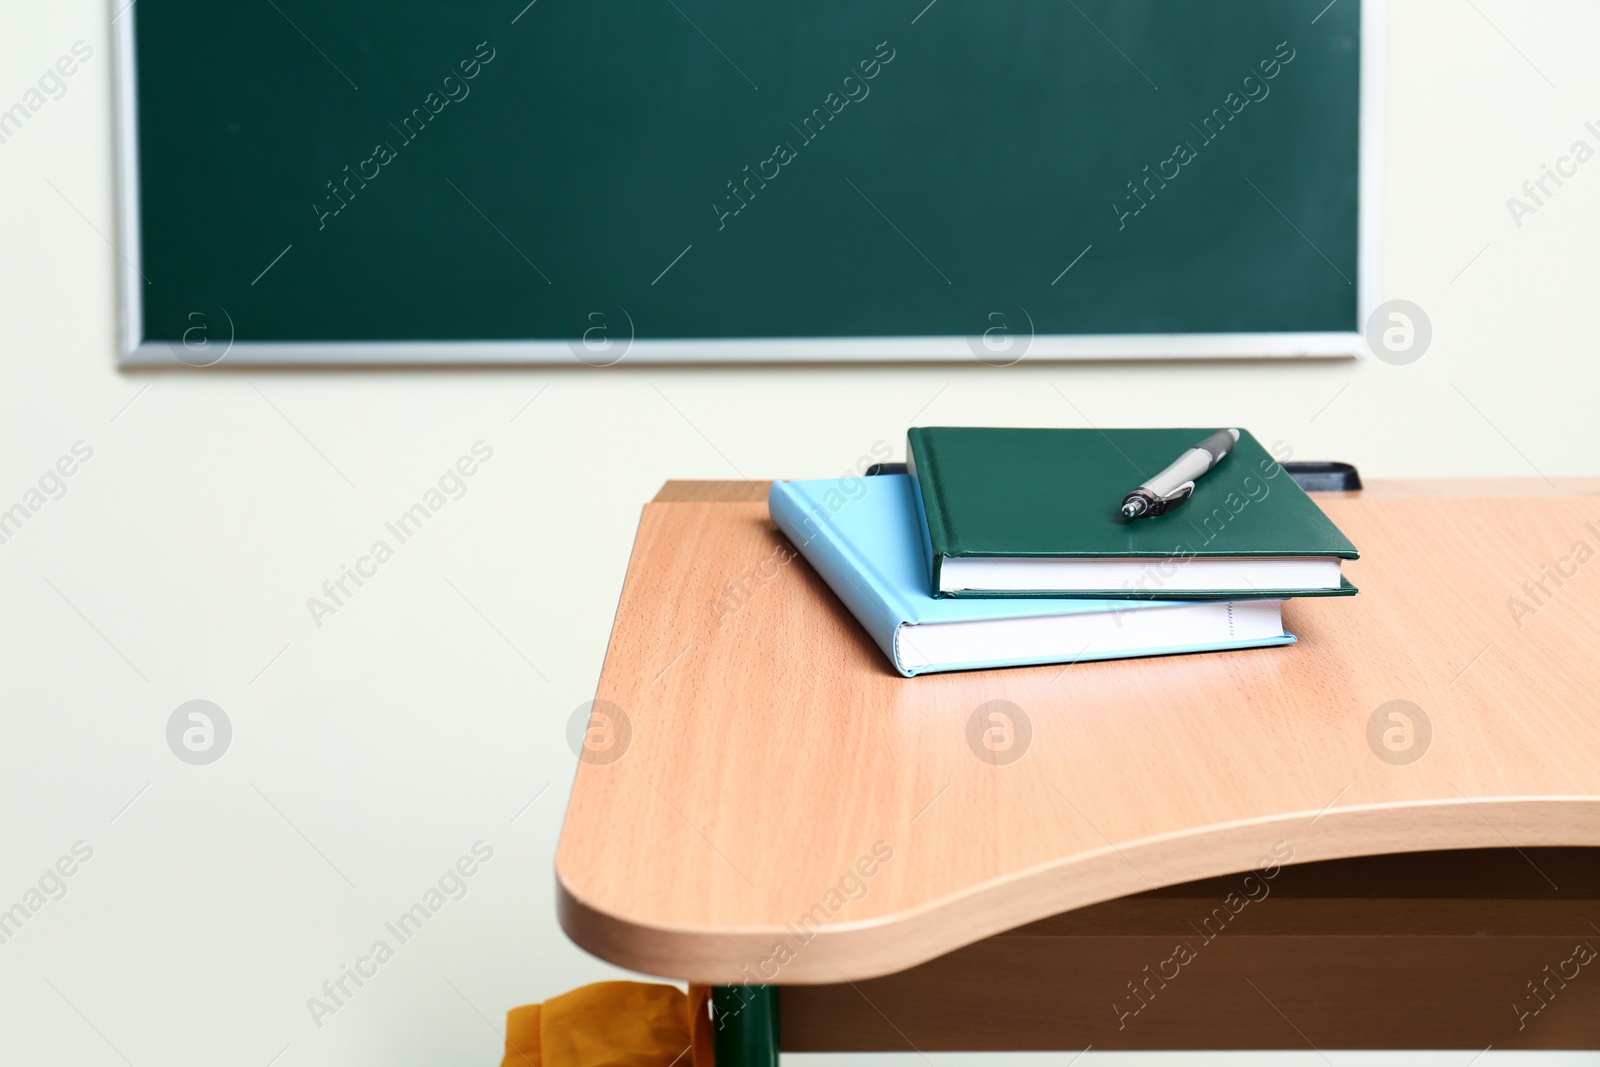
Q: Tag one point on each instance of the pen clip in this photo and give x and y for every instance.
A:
(1177, 496)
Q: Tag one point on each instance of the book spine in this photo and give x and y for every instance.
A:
(930, 516)
(808, 527)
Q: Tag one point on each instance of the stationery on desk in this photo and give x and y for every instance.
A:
(1011, 547)
(1027, 512)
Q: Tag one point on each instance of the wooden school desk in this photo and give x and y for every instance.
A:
(1374, 838)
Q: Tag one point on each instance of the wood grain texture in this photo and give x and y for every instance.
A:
(1062, 994)
(1489, 892)
(687, 491)
(772, 748)
(1415, 950)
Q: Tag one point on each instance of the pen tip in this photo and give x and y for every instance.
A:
(1132, 509)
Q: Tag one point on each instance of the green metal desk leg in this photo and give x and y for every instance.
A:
(746, 1021)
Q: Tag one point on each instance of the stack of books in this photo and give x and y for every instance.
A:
(1006, 547)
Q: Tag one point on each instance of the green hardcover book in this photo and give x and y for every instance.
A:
(1035, 512)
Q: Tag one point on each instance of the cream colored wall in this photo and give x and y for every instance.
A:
(369, 753)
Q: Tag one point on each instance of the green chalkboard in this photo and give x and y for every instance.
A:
(466, 170)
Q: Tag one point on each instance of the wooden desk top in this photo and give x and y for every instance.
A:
(778, 769)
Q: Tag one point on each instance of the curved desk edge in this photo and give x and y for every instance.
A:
(847, 951)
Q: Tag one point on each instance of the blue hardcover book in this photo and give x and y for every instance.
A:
(861, 535)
